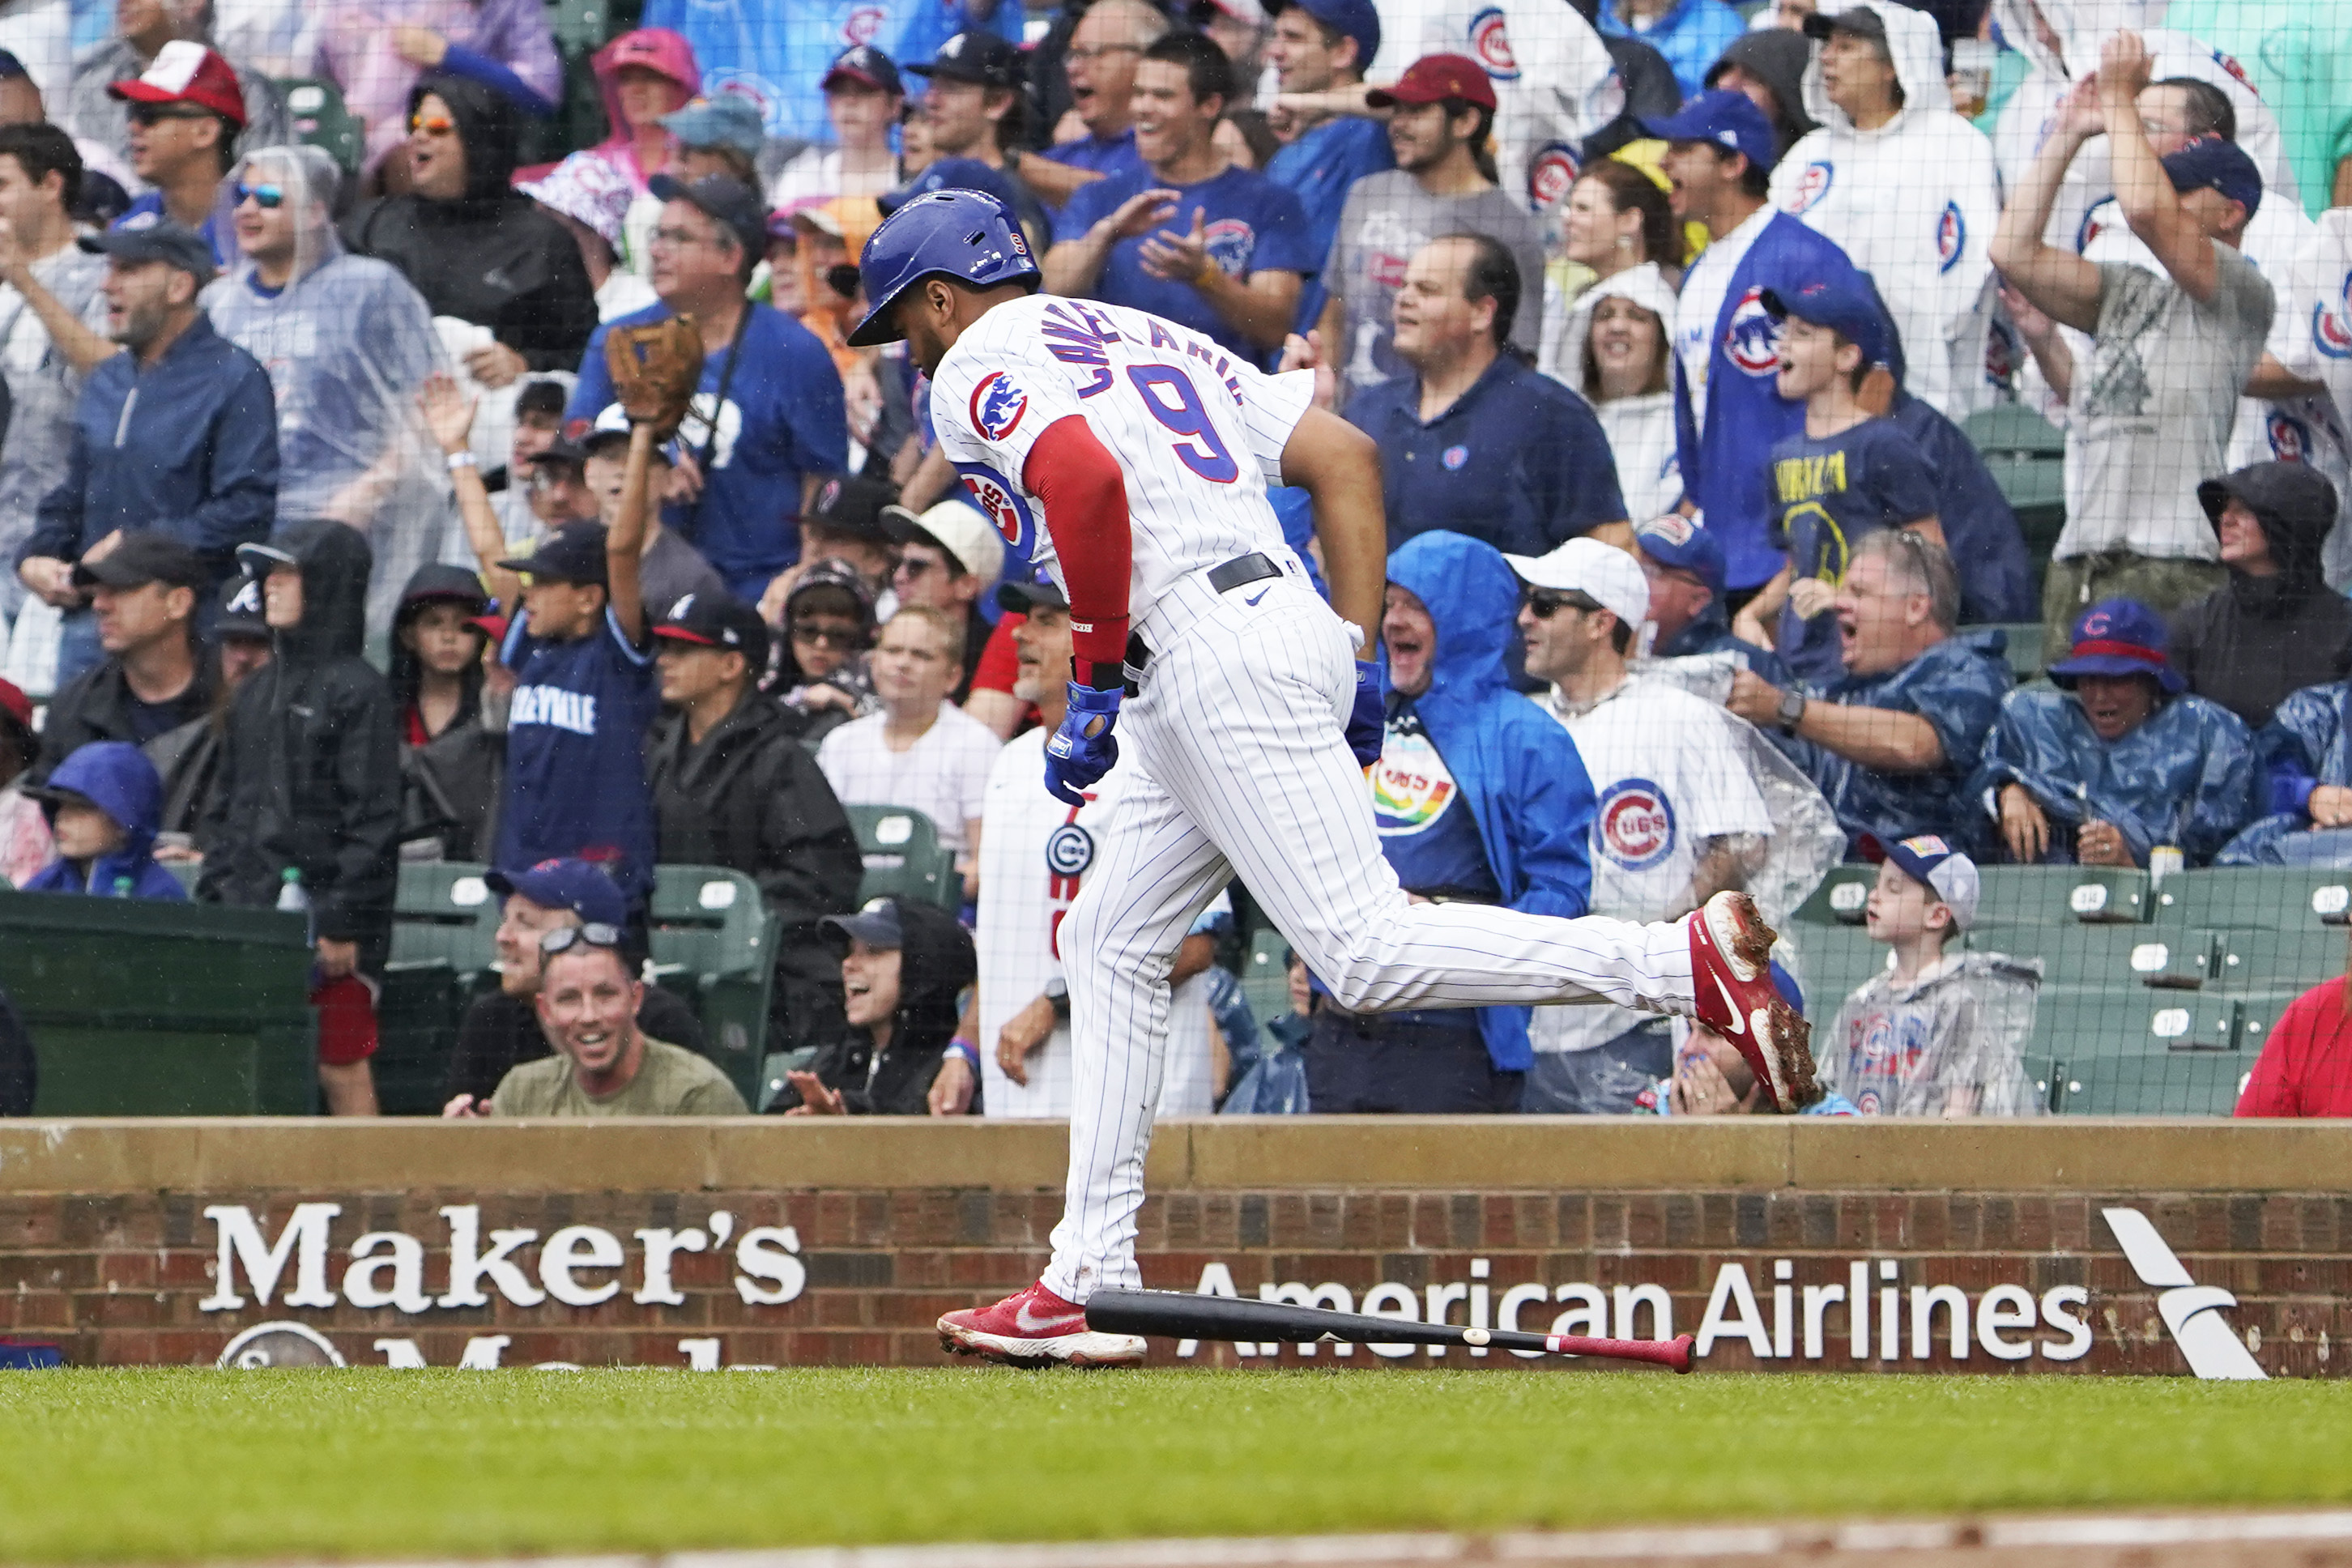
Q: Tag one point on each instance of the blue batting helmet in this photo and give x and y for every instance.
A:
(968, 236)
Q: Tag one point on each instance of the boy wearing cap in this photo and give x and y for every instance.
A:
(1932, 1034)
(1442, 112)
(1846, 475)
(732, 786)
(2119, 760)
(1678, 818)
(1186, 236)
(768, 423)
(2150, 411)
(668, 568)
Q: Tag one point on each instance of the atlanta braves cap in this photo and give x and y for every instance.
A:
(719, 621)
(981, 58)
(864, 63)
(1607, 576)
(1948, 874)
(1728, 120)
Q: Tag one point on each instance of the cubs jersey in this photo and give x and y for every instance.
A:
(1034, 851)
(1669, 774)
(2312, 336)
(1197, 431)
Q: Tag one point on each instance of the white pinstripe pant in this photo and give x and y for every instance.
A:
(1246, 771)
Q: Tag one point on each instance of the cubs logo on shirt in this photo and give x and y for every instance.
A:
(1230, 243)
(1811, 186)
(997, 405)
(1549, 173)
(2331, 330)
(1453, 457)
(1412, 786)
(1069, 851)
(1751, 341)
(1000, 503)
(1635, 824)
(1951, 237)
(2290, 437)
(2095, 222)
(1490, 45)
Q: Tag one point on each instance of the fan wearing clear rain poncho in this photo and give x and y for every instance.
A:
(1903, 185)
(347, 342)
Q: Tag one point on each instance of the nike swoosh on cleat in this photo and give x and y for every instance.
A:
(1730, 1003)
(1028, 1323)
(1253, 598)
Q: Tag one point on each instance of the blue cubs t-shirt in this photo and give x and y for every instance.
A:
(783, 419)
(576, 754)
(1252, 224)
(1102, 154)
(1827, 495)
(1317, 169)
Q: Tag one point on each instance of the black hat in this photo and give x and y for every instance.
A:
(875, 925)
(864, 63)
(573, 553)
(719, 621)
(854, 507)
(1861, 21)
(161, 240)
(240, 610)
(726, 200)
(143, 557)
(1023, 598)
(982, 58)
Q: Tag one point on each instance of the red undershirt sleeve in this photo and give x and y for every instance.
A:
(1086, 512)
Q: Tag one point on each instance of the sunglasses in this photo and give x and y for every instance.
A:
(145, 114)
(1545, 602)
(825, 636)
(431, 124)
(267, 198)
(563, 938)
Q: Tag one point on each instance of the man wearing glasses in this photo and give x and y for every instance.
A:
(185, 113)
(1100, 64)
(948, 557)
(155, 38)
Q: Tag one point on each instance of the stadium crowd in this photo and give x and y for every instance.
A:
(331, 550)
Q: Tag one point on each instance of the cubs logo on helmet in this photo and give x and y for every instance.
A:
(1635, 824)
(1490, 45)
(1751, 341)
(1951, 237)
(1229, 242)
(1811, 186)
(2290, 437)
(999, 502)
(997, 405)
(1550, 172)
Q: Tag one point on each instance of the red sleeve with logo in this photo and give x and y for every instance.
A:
(2306, 1067)
(1086, 512)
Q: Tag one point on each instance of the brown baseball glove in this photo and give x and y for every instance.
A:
(654, 370)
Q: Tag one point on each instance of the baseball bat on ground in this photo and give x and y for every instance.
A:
(1176, 1314)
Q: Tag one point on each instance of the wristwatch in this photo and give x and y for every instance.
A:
(1791, 711)
(1058, 992)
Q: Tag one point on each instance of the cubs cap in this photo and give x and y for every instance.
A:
(2210, 164)
(864, 63)
(957, 526)
(1356, 19)
(875, 925)
(1607, 576)
(574, 885)
(1729, 119)
(2119, 637)
(1434, 79)
(728, 119)
(573, 553)
(240, 610)
(1840, 301)
(1025, 598)
(142, 557)
(719, 621)
(187, 72)
(981, 58)
(1676, 541)
(144, 236)
(854, 507)
(1948, 874)
(724, 200)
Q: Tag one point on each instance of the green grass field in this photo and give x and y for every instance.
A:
(166, 1466)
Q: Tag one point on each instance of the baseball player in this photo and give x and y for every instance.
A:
(1130, 456)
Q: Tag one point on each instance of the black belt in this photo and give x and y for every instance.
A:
(1224, 577)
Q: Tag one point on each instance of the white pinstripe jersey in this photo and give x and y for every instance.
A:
(1198, 434)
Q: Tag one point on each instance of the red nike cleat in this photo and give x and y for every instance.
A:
(1036, 1328)
(1731, 977)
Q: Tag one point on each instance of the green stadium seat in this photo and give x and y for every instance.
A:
(903, 857)
(714, 942)
(2027, 458)
(144, 1008)
(1263, 982)
(2179, 1083)
(444, 919)
(2024, 651)
(321, 119)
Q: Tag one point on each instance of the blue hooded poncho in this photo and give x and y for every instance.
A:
(116, 777)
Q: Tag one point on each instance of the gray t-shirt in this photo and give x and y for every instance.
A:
(1388, 218)
(671, 1081)
(2152, 407)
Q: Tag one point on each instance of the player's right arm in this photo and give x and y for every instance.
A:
(1339, 467)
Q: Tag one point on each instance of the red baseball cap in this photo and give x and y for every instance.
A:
(17, 706)
(187, 72)
(1434, 79)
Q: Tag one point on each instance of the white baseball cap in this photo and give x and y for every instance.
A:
(1609, 576)
(957, 526)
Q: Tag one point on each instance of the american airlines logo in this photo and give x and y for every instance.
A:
(2191, 1312)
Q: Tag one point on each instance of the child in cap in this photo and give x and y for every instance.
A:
(1932, 1034)
(1849, 473)
(104, 803)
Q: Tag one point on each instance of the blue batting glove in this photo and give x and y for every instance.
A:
(1082, 749)
(1367, 721)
